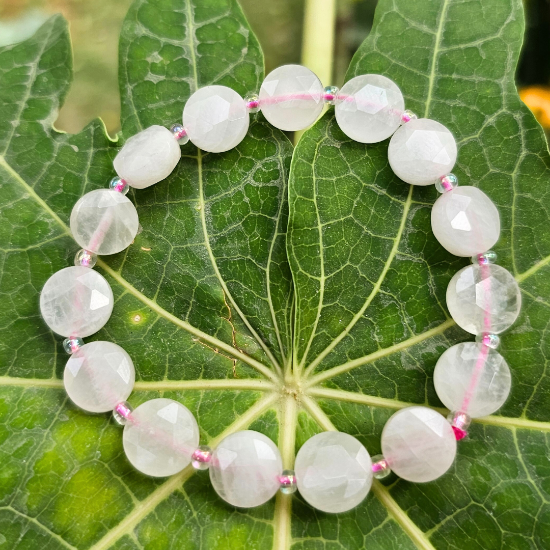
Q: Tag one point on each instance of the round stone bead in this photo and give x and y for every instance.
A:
(291, 97)
(245, 469)
(418, 444)
(422, 151)
(465, 221)
(333, 472)
(216, 118)
(161, 437)
(98, 376)
(104, 222)
(76, 301)
(484, 298)
(147, 157)
(472, 378)
(369, 108)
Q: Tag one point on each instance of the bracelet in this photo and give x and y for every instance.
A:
(333, 471)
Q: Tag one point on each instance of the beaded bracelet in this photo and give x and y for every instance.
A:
(161, 436)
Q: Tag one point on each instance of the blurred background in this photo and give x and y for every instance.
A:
(322, 34)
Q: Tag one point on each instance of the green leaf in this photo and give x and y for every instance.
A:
(204, 296)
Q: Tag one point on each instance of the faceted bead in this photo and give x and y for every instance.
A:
(288, 482)
(446, 183)
(245, 469)
(484, 299)
(369, 108)
(104, 222)
(472, 378)
(70, 345)
(161, 437)
(291, 97)
(216, 118)
(465, 221)
(333, 472)
(122, 413)
(380, 467)
(252, 103)
(179, 133)
(487, 339)
(119, 185)
(201, 458)
(148, 157)
(85, 258)
(98, 376)
(76, 301)
(422, 151)
(330, 94)
(419, 444)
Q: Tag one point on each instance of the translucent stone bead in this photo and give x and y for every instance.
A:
(446, 183)
(252, 103)
(179, 133)
(76, 301)
(472, 378)
(333, 472)
(70, 345)
(122, 413)
(119, 185)
(288, 484)
(148, 157)
(291, 97)
(380, 467)
(484, 299)
(85, 258)
(161, 437)
(216, 118)
(104, 222)
(201, 458)
(465, 221)
(330, 94)
(422, 151)
(245, 469)
(369, 108)
(98, 376)
(490, 340)
(418, 444)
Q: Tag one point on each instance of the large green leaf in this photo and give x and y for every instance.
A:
(204, 295)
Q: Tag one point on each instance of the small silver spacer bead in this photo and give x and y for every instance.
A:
(252, 103)
(70, 345)
(380, 467)
(287, 481)
(200, 459)
(179, 133)
(330, 94)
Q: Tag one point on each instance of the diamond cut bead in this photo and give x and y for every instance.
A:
(484, 299)
(98, 376)
(369, 108)
(291, 97)
(161, 438)
(148, 157)
(465, 221)
(104, 222)
(472, 378)
(422, 151)
(418, 444)
(76, 301)
(216, 118)
(245, 469)
(333, 471)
